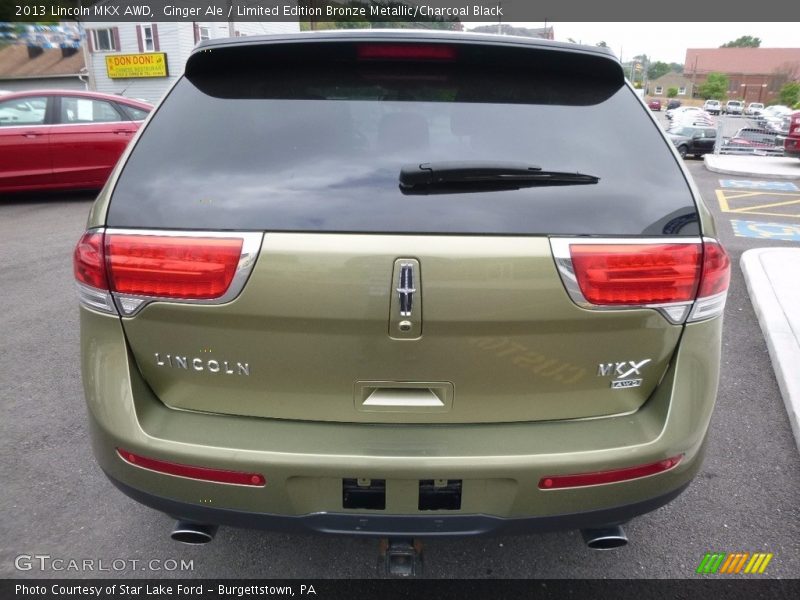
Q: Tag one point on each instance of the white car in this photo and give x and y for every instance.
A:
(712, 107)
(675, 113)
(771, 116)
(693, 115)
(754, 109)
(733, 107)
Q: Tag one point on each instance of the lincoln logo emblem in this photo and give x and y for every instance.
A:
(406, 288)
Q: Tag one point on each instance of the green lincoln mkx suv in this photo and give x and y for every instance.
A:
(400, 284)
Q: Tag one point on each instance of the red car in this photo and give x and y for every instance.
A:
(791, 146)
(654, 104)
(61, 139)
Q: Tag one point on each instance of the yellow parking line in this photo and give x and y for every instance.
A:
(772, 205)
(724, 199)
(736, 195)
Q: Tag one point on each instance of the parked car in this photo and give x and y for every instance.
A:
(654, 104)
(774, 112)
(691, 140)
(692, 117)
(754, 109)
(712, 107)
(733, 107)
(792, 142)
(61, 139)
(749, 140)
(673, 104)
(252, 283)
(677, 112)
(690, 122)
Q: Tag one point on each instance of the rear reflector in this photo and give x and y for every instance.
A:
(637, 274)
(190, 268)
(406, 52)
(201, 473)
(716, 270)
(88, 261)
(599, 477)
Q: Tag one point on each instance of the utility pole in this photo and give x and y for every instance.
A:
(87, 56)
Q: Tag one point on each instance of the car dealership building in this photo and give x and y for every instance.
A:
(142, 60)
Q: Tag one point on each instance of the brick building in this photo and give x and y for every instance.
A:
(755, 74)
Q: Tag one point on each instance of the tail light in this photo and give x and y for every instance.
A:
(172, 267)
(672, 276)
(131, 268)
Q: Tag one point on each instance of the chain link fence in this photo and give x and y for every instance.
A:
(741, 135)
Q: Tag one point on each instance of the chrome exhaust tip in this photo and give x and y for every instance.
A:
(187, 532)
(605, 538)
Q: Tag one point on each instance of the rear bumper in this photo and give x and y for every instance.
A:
(304, 463)
(373, 525)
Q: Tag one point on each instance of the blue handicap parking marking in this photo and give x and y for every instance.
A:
(772, 186)
(767, 231)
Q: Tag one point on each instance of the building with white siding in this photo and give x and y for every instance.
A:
(118, 42)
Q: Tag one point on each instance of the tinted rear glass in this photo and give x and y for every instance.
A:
(320, 148)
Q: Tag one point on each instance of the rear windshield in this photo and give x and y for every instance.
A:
(320, 148)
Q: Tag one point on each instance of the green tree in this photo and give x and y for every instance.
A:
(790, 93)
(676, 67)
(672, 92)
(746, 41)
(658, 69)
(716, 86)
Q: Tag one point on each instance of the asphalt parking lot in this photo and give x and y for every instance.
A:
(57, 503)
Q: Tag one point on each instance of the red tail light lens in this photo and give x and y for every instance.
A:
(615, 475)
(636, 274)
(188, 268)
(202, 473)
(88, 261)
(716, 270)
(406, 52)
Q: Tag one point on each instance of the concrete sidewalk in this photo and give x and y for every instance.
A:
(754, 166)
(773, 280)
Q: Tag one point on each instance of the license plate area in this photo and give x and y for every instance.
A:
(439, 494)
(367, 494)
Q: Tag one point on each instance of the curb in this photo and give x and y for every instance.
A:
(771, 306)
(711, 166)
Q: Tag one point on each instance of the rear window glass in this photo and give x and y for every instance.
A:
(320, 148)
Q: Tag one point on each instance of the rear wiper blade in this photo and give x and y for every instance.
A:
(451, 177)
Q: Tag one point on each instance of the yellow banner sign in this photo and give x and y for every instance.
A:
(126, 66)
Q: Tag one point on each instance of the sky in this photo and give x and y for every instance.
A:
(668, 42)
